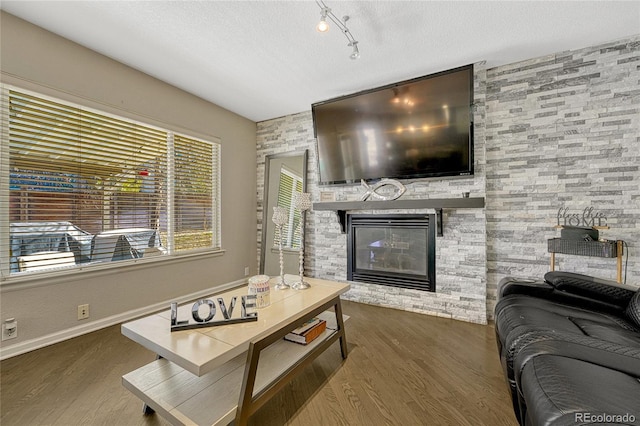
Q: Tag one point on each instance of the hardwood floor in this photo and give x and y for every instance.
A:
(403, 369)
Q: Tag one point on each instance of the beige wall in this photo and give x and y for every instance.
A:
(46, 310)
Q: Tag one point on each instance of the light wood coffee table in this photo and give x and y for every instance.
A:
(214, 375)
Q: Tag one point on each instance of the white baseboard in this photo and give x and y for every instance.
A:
(59, 336)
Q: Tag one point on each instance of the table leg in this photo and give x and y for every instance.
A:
(146, 410)
(343, 336)
(620, 249)
(246, 392)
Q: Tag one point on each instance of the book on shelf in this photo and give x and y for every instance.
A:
(306, 326)
(307, 332)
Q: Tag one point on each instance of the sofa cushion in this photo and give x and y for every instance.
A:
(622, 358)
(564, 391)
(603, 332)
(633, 309)
(517, 311)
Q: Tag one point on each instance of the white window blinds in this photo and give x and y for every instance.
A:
(97, 186)
(290, 185)
(196, 179)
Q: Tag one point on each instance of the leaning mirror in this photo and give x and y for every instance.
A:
(284, 176)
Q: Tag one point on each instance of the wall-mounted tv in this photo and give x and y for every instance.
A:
(420, 128)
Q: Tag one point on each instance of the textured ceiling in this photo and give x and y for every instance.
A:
(264, 59)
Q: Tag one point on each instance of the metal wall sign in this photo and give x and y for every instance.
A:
(588, 218)
(371, 191)
(247, 313)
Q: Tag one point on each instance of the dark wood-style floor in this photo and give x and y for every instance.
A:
(403, 369)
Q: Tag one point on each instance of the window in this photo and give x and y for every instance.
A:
(100, 187)
(290, 185)
(195, 183)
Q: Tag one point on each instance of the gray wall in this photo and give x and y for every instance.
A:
(46, 310)
(555, 131)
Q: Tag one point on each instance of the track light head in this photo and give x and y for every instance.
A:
(323, 26)
(355, 54)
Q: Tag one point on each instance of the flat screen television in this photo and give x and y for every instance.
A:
(420, 128)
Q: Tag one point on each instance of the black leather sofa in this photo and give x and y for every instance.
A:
(570, 349)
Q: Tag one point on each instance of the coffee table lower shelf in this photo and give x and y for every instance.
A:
(213, 399)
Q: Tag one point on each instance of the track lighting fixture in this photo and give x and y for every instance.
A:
(323, 26)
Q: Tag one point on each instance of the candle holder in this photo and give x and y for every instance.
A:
(302, 202)
(280, 217)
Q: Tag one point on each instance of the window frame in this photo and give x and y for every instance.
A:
(216, 248)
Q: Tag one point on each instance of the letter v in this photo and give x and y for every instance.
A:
(223, 307)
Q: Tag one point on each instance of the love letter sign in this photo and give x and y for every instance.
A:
(210, 321)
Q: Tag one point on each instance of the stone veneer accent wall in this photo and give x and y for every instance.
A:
(562, 131)
(558, 131)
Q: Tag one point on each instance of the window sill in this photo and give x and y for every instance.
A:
(45, 278)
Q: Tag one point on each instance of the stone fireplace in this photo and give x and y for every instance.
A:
(461, 229)
(392, 250)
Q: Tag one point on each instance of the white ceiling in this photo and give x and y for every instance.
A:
(264, 59)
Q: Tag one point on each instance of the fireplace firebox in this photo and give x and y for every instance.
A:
(395, 250)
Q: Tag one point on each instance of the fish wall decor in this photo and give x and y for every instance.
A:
(372, 190)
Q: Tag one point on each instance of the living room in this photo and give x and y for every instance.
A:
(551, 132)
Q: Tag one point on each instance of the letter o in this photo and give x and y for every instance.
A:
(196, 315)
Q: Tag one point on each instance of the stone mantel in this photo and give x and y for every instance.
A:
(341, 207)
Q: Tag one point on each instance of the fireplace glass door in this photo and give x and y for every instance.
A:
(396, 250)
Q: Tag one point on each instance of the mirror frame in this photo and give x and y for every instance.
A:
(266, 217)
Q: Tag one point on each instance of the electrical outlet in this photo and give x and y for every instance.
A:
(83, 312)
(246, 271)
(9, 329)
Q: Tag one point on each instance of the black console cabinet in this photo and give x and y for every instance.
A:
(610, 249)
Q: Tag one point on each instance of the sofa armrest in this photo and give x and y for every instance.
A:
(511, 285)
(589, 287)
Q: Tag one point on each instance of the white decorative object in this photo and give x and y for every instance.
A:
(371, 191)
(247, 312)
(259, 286)
(280, 217)
(327, 196)
(302, 202)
